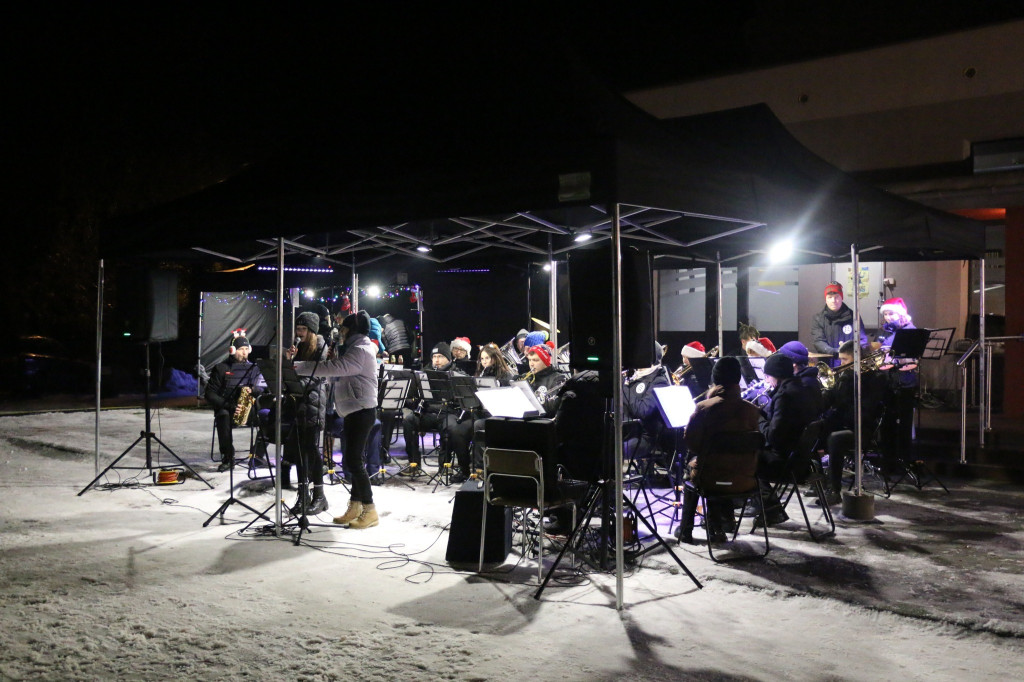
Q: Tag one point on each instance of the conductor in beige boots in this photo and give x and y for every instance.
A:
(353, 366)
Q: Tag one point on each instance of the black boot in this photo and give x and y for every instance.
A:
(318, 503)
(296, 509)
(226, 462)
(685, 531)
(286, 476)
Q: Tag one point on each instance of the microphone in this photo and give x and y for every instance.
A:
(296, 341)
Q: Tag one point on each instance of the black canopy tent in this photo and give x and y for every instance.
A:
(513, 153)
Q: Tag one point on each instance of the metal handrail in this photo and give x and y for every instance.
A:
(986, 382)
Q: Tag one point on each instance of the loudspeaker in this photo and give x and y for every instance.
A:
(591, 308)
(150, 304)
(464, 533)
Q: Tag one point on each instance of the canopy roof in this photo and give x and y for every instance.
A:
(521, 151)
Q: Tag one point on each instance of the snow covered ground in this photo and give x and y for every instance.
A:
(126, 583)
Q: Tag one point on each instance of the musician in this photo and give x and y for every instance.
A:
(747, 333)
(462, 350)
(723, 411)
(427, 416)
(544, 379)
(376, 331)
(759, 347)
(833, 325)
(684, 375)
(840, 415)
(791, 407)
(490, 363)
(806, 375)
(354, 368)
(309, 417)
(903, 380)
(641, 403)
(223, 392)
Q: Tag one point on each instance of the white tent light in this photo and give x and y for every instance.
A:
(583, 237)
(373, 290)
(423, 248)
(547, 267)
(781, 251)
(309, 293)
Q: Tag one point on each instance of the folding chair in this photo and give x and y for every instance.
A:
(515, 478)
(726, 473)
(804, 468)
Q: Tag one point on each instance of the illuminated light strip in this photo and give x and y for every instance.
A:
(273, 268)
(461, 270)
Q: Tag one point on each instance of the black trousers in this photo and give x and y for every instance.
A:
(357, 428)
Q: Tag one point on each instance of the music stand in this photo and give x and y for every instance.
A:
(702, 371)
(464, 391)
(393, 395)
(436, 387)
(912, 343)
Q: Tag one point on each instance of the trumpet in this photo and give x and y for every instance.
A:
(682, 370)
(827, 376)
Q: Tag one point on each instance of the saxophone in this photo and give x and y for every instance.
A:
(245, 401)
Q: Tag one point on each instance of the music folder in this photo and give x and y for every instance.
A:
(510, 401)
(675, 404)
(290, 380)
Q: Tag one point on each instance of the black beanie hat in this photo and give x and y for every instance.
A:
(442, 349)
(241, 342)
(357, 323)
(726, 372)
(778, 366)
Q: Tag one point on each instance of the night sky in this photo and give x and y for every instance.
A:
(113, 111)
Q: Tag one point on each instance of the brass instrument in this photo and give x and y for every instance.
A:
(245, 401)
(682, 370)
(757, 393)
(512, 356)
(827, 376)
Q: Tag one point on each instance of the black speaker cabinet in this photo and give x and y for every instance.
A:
(149, 300)
(464, 534)
(591, 308)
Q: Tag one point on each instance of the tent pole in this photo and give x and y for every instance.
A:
(616, 381)
(721, 316)
(858, 435)
(99, 364)
(355, 291)
(984, 384)
(553, 297)
(199, 344)
(279, 398)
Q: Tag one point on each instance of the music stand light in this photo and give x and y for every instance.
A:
(675, 404)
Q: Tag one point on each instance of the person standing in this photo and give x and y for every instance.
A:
(353, 366)
(833, 325)
(310, 417)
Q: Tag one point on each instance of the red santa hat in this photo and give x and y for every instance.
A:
(694, 349)
(542, 352)
(896, 305)
(762, 346)
(462, 342)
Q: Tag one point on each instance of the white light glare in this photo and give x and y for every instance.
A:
(423, 248)
(309, 293)
(373, 290)
(781, 251)
(583, 237)
(547, 267)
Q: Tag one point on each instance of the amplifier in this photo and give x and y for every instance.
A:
(464, 534)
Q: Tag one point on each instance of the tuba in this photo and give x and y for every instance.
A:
(510, 353)
(245, 400)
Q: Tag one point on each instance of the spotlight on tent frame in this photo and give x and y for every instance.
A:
(373, 291)
(309, 293)
(583, 237)
(781, 251)
(547, 267)
(423, 248)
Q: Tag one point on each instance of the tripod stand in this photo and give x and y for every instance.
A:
(598, 500)
(233, 500)
(149, 437)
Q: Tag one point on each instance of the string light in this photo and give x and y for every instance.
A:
(290, 268)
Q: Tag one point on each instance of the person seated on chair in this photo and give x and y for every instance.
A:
(490, 363)
(760, 347)
(544, 379)
(840, 416)
(641, 403)
(723, 411)
(685, 376)
(791, 407)
(224, 392)
(427, 416)
(806, 375)
(309, 418)
(462, 354)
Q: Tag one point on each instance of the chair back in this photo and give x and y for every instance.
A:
(730, 464)
(513, 478)
(801, 458)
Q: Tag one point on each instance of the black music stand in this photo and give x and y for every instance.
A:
(231, 495)
(391, 399)
(149, 437)
(702, 371)
(440, 389)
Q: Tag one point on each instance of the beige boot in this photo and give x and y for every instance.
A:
(351, 514)
(367, 519)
